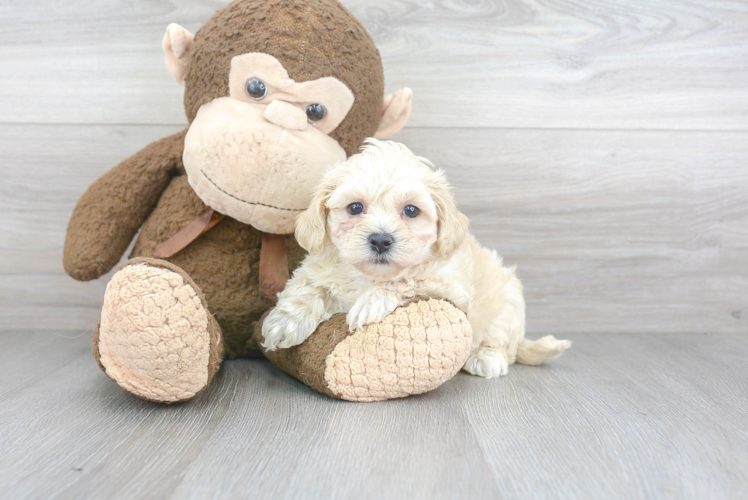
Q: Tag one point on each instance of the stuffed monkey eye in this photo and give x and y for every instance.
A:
(355, 208)
(315, 112)
(256, 89)
(411, 211)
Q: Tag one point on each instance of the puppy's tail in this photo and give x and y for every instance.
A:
(535, 352)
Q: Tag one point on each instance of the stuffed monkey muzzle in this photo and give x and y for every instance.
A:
(236, 159)
(268, 129)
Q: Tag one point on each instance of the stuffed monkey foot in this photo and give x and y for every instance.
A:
(413, 350)
(156, 337)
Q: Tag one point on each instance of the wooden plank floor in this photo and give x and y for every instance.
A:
(618, 416)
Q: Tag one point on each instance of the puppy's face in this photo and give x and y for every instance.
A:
(382, 226)
(384, 210)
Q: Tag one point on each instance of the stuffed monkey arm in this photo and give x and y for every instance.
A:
(113, 208)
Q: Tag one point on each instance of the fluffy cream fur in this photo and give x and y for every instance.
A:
(431, 254)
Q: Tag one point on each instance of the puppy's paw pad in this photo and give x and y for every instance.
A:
(488, 362)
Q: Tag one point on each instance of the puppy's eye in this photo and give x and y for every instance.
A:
(411, 211)
(355, 208)
(256, 89)
(315, 112)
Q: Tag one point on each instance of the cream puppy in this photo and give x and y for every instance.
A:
(382, 229)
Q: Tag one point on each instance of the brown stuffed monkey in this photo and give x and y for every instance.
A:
(275, 93)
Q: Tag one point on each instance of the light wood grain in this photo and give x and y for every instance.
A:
(640, 64)
(632, 231)
(352, 450)
(623, 413)
(21, 349)
(96, 437)
(618, 416)
(626, 232)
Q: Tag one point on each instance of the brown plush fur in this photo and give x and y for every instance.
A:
(149, 191)
(306, 361)
(113, 208)
(224, 261)
(312, 38)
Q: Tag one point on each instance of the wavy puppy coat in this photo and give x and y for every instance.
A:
(382, 229)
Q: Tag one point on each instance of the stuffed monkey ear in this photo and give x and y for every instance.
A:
(395, 112)
(177, 44)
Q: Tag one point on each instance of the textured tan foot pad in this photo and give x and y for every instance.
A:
(153, 337)
(414, 350)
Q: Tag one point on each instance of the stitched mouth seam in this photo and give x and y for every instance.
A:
(249, 202)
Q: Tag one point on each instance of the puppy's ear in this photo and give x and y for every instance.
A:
(311, 224)
(453, 226)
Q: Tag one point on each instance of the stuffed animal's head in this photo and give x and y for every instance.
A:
(277, 92)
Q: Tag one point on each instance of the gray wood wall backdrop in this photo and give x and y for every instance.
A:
(602, 146)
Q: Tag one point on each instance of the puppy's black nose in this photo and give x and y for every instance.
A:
(380, 242)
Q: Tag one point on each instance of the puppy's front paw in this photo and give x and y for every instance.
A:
(371, 308)
(488, 362)
(283, 330)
